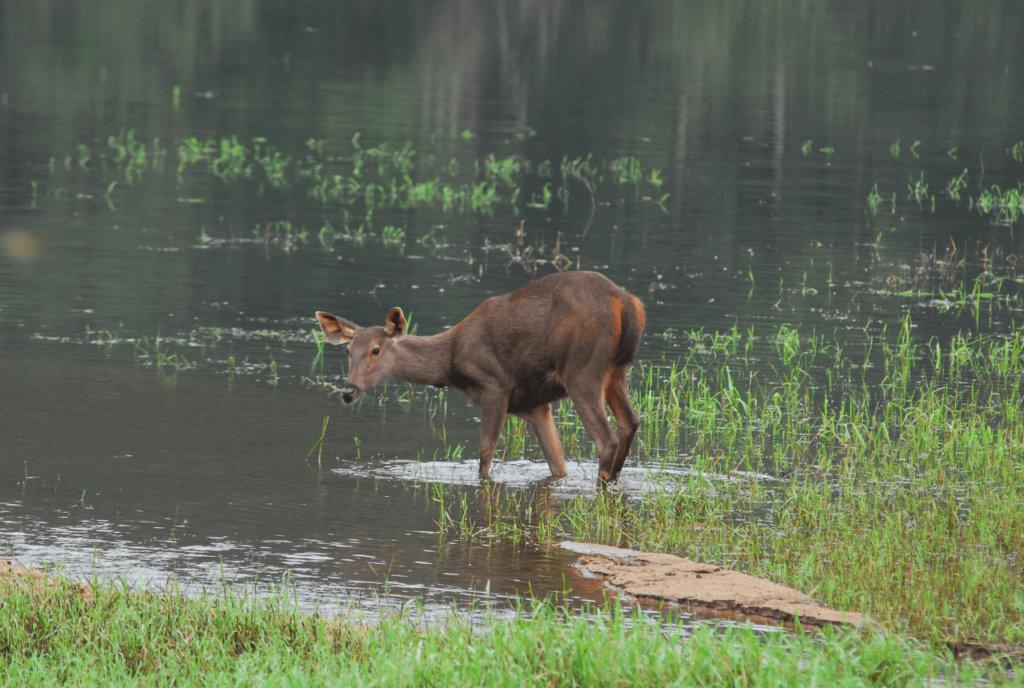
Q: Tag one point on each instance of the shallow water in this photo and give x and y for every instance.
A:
(154, 341)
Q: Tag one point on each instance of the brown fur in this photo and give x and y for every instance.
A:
(568, 334)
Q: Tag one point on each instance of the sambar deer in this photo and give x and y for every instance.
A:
(568, 334)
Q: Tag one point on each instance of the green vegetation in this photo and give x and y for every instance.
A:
(874, 199)
(898, 489)
(320, 444)
(360, 183)
(1003, 207)
(626, 169)
(281, 234)
(132, 157)
(58, 634)
(918, 190)
(393, 236)
(955, 185)
(384, 176)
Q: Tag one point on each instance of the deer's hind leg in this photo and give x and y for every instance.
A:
(492, 417)
(616, 393)
(588, 397)
(543, 424)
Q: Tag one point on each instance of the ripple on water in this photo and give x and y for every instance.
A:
(582, 478)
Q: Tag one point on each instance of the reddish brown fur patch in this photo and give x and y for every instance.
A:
(615, 395)
(575, 320)
(617, 306)
(610, 390)
(609, 381)
(638, 306)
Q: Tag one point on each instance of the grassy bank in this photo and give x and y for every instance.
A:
(55, 635)
(890, 482)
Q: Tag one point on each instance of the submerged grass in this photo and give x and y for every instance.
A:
(369, 180)
(359, 183)
(54, 635)
(1001, 206)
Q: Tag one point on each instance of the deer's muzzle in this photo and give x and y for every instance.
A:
(350, 393)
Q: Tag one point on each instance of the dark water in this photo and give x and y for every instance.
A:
(155, 334)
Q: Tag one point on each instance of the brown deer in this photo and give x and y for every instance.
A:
(568, 334)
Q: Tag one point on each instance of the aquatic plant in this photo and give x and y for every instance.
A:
(1017, 152)
(393, 236)
(1005, 206)
(874, 199)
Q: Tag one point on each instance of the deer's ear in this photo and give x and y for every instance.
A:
(394, 327)
(337, 330)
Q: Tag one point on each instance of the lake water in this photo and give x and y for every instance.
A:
(185, 184)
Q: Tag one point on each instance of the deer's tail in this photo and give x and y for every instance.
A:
(631, 327)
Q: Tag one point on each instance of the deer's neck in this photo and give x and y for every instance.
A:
(425, 360)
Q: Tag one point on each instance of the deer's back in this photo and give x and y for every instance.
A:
(566, 322)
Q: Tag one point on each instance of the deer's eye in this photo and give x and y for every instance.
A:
(375, 352)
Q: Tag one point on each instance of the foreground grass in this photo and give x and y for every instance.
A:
(55, 635)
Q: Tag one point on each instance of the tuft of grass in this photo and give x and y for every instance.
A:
(281, 234)
(956, 184)
(918, 190)
(1004, 206)
(874, 198)
(320, 443)
(626, 170)
(393, 236)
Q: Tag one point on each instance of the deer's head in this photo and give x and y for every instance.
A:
(370, 349)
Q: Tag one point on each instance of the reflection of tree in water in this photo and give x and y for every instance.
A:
(509, 61)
